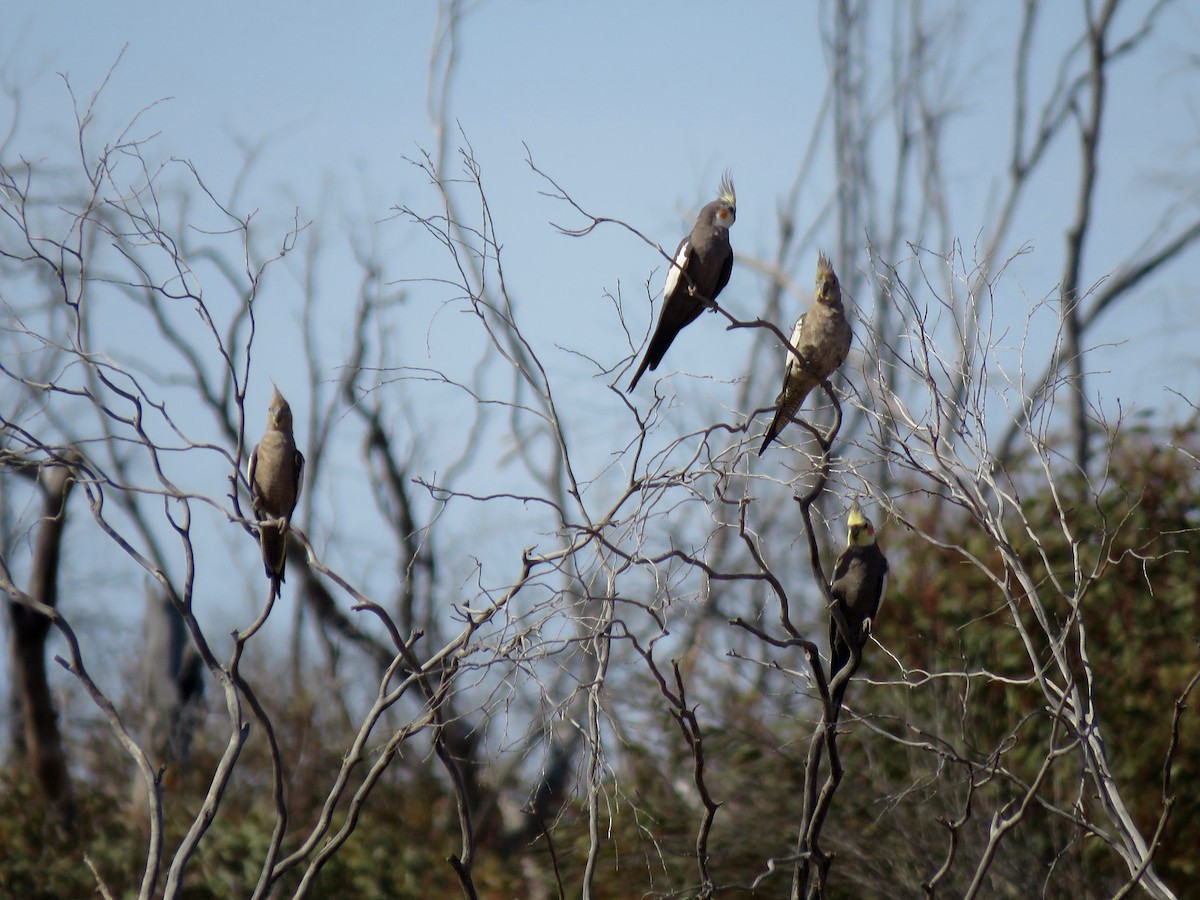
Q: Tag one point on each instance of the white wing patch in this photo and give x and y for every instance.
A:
(251, 465)
(677, 267)
(790, 362)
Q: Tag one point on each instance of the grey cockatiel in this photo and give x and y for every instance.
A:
(698, 274)
(275, 474)
(859, 579)
(822, 335)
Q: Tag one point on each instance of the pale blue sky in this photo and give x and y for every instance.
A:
(635, 107)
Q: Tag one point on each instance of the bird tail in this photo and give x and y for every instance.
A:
(839, 658)
(771, 434)
(789, 405)
(274, 552)
(641, 370)
(660, 342)
(839, 652)
(839, 655)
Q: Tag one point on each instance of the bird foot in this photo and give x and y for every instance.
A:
(708, 303)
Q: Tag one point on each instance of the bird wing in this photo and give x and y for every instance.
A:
(680, 308)
(840, 568)
(723, 276)
(883, 580)
(864, 570)
(839, 651)
(251, 469)
(297, 481)
(682, 257)
(790, 363)
(882, 590)
(792, 394)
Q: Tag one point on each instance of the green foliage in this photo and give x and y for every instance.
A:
(1133, 544)
(44, 860)
(964, 710)
(914, 742)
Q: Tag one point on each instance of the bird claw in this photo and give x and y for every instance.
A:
(707, 302)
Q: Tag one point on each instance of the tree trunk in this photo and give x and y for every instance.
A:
(173, 679)
(41, 744)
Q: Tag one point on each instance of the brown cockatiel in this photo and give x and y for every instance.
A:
(275, 474)
(822, 336)
(859, 580)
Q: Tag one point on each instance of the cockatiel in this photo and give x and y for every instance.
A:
(700, 271)
(275, 474)
(859, 580)
(822, 336)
